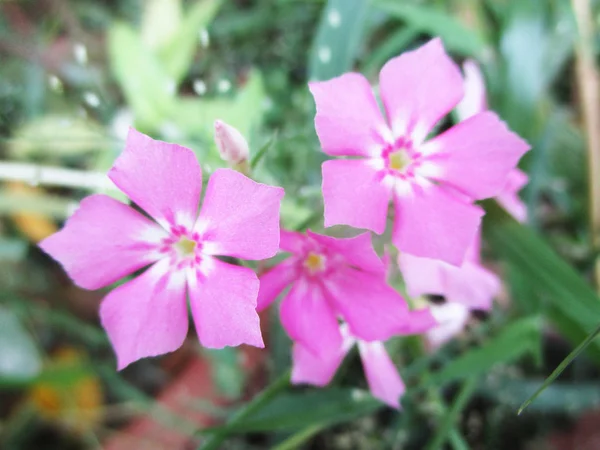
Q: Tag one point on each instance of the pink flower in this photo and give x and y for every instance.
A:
(433, 183)
(452, 318)
(333, 278)
(471, 284)
(475, 102)
(383, 378)
(232, 146)
(106, 240)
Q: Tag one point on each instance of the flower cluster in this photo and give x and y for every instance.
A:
(338, 290)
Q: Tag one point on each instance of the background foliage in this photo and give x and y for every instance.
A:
(75, 74)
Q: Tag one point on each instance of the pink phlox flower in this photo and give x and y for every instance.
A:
(452, 318)
(471, 284)
(106, 240)
(334, 278)
(475, 102)
(382, 377)
(433, 183)
(464, 288)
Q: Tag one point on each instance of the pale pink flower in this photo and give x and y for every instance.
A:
(452, 319)
(433, 182)
(475, 102)
(382, 377)
(471, 284)
(333, 278)
(106, 240)
(231, 144)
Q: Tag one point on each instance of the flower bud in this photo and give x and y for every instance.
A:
(232, 146)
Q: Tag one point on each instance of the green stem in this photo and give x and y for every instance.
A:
(450, 418)
(295, 440)
(214, 442)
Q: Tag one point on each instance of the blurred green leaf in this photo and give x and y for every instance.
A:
(20, 361)
(338, 38)
(146, 85)
(226, 371)
(515, 340)
(392, 46)
(161, 20)
(177, 55)
(12, 250)
(435, 22)
(298, 410)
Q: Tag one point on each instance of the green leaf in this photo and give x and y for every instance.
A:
(20, 361)
(299, 410)
(146, 85)
(177, 56)
(435, 22)
(160, 21)
(389, 48)
(554, 279)
(226, 371)
(515, 340)
(338, 38)
(561, 367)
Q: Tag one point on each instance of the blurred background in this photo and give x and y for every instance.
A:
(75, 74)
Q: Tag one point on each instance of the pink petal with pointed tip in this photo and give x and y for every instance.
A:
(147, 316)
(239, 216)
(509, 198)
(474, 100)
(223, 303)
(273, 282)
(103, 241)
(307, 368)
(382, 376)
(292, 241)
(432, 223)
(418, 321)
(348, 119)
(372, 309)
(357, 251)
(354, 195)
(452, 318)
(418, 88)
(476, 155)
(308, 319)
(163, 179)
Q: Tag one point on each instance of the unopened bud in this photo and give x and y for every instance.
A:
(232, 146)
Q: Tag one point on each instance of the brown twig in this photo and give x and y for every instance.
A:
(589, 93)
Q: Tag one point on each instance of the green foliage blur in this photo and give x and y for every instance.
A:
(75, 74)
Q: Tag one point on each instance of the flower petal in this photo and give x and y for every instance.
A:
(418, 88)
(474, 100)
(476, 155)
(452, 318)
(223, 303)
(432, 223)
(292, 241)
(103, 241)
(472, 285)
(422, 275)
(372, 309)
(509, 197)
(308, 319)
(147, 316)
(418, 321)
(354, 195)
(239, 216)
(358, 250)
(164, 179)
(273, 282)
(348, 119)
(307, 368)
(382, 376)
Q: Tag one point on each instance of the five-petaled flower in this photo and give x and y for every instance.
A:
(106, 240)
(382, 377)
(333, 278)
(433, 182)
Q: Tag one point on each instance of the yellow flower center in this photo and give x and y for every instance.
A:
(315, 262)
(185, 246)
(398, 160)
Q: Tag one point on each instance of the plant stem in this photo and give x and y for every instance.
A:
(214, 442)
(54, 176)
(589, 96)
